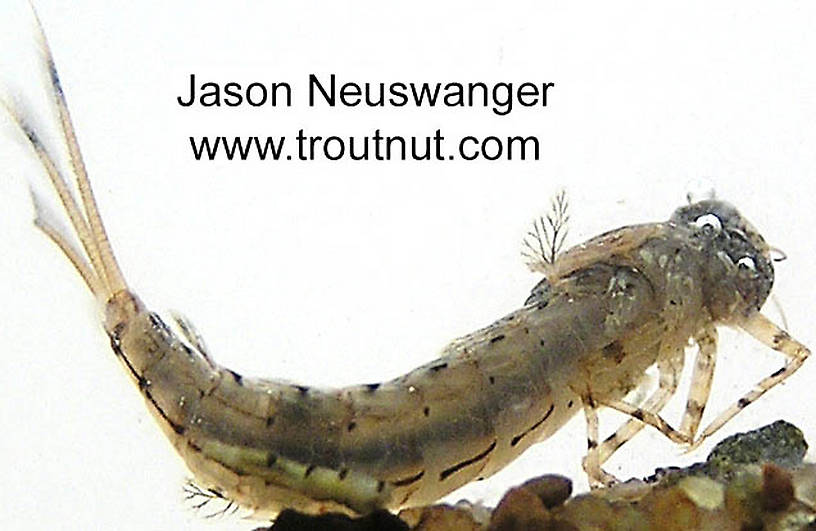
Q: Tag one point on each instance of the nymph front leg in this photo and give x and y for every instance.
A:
(767, 332)
(704, 363)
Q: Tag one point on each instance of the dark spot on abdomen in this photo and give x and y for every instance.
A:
(515, 440)
(237, 377)
(467, 462)
(407, 481)
(614, 351)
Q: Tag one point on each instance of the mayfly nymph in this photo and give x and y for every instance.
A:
(606, 311)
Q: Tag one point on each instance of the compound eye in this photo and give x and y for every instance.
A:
(709, 223)
(746, 263)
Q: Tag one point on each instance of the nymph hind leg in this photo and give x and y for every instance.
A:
(669, 366)
(591, 463)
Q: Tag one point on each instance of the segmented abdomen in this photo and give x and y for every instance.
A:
(403, 442)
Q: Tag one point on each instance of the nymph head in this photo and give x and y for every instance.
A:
(739, 259)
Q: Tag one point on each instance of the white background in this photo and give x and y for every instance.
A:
(348, 272)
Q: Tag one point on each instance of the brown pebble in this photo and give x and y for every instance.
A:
(552, 490)
(777, 488)
(443, 518)
(672, 510)
(588, 511)
(520, 510)
(381, 520)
